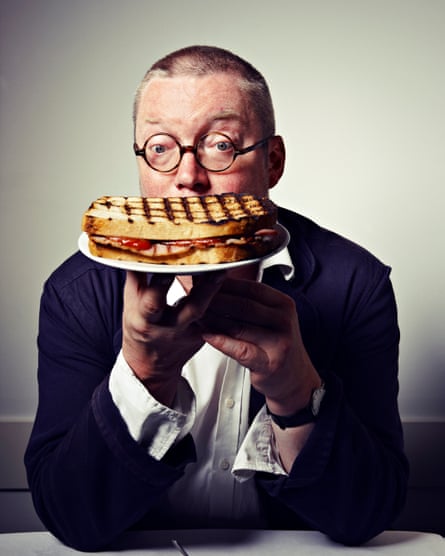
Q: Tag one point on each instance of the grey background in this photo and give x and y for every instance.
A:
(359, 91)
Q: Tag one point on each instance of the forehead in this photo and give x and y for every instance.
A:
(195, 99)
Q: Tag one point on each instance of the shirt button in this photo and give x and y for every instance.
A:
(224, 464)
(230, 402)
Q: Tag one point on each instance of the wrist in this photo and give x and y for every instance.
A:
(294, 400)
(161, 384)
(302, 416)
(162, 391)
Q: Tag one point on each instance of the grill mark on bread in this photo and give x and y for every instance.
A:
(225, 207)
(227, 214)
(129, 212)
(205, 203)
(188, 212)
(146, 208)
(168, 209)
(212, 208)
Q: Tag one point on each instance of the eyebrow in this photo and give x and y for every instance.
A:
(227, 115)
(222, 115)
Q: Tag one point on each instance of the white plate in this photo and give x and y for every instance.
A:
(178, 268)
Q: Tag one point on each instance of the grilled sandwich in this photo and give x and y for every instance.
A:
(205, 229)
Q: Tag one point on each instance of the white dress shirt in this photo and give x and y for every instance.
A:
(212, 404)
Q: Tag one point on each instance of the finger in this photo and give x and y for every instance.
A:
(246, 353)
(192, 307)
(245, 310)
(147, 294)
(236, 329)
(256, 291)
(145, 279)
(255, 303)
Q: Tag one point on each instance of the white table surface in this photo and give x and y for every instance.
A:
(232, 543)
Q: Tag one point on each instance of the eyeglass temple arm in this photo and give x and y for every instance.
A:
(254, 146)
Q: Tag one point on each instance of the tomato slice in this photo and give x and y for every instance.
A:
(133, 243)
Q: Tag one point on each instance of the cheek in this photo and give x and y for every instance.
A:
(151, 184)
(254, 181)
(151, 189)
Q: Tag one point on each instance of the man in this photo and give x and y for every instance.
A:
(262, 398)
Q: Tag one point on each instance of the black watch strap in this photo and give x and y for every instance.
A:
(306, 415)
(301, 417)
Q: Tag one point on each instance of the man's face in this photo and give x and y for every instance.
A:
(188, 107)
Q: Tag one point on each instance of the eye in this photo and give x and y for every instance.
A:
(223, 146)
(159, 145)
(217, 143)
(158, 149)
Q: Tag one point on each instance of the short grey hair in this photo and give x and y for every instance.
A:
(207, 60)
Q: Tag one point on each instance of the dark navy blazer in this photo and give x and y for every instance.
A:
(90, 480)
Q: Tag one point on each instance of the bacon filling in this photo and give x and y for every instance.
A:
(158, 248)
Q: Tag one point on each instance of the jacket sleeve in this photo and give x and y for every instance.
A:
(350, 479)
(89, 479)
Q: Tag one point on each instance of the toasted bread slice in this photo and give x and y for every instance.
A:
(165, 219)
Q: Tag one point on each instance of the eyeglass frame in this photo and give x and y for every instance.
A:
(194, 149)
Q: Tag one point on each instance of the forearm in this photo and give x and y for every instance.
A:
(89, 478)
(95, 481)
(290, 442)
(347, 481)
(154, 425)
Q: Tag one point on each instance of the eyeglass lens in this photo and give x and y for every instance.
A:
(214, 151)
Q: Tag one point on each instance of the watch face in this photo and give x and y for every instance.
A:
(317, 396)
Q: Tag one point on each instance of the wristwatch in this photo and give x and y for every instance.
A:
(306, 415)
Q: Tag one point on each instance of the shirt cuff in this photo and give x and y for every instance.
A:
(149, 422)
(258, 452)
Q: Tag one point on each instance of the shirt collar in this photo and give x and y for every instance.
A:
(282, 260)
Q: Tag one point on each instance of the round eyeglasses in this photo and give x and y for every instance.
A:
(214, 152)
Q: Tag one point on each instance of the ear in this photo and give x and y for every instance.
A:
(276, 158)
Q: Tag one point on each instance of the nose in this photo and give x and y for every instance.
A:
(190, 175)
